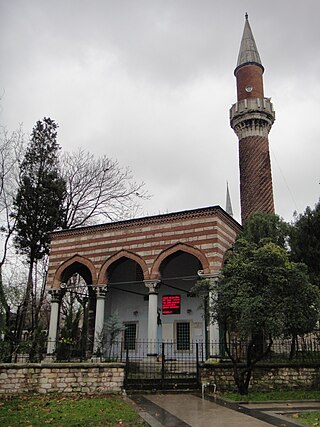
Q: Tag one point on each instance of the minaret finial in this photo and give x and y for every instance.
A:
(246, 16)
(228, 202)
(248, 52)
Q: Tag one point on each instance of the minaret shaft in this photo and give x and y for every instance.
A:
(256, 191)
(249, 76)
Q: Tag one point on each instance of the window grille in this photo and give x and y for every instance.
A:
(183, 336)
(130, 334)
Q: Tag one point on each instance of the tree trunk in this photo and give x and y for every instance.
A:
(4, 303)
(293, 347)
(26, 301)
(242, 377)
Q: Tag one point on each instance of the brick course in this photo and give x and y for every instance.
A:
(208, 230)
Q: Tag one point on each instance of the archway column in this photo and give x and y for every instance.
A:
(152, 286)
(54, 320)
(214, 326)
(212, 333)
(99, 320)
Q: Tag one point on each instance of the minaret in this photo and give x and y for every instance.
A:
(228, 202)
(251, 118)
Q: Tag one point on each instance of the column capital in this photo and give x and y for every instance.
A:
(209, 276)
(55, 294)
(100, 290)
(152, 285)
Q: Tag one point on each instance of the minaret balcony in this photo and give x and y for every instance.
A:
(252, 116)
(252, 105)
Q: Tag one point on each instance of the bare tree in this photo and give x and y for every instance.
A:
(11, 150)
(98, 189)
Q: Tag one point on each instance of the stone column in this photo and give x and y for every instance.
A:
(212, 332)
(152, 316)
(54, 319)
(99, 320)
(213, 327)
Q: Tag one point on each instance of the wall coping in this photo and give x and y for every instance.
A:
(226, 365)
(63, 365)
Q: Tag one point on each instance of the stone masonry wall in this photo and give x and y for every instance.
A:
(84, 378)
(264, 377)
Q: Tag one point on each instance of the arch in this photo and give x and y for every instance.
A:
(122, 254)
(155, 270)
(76, 259)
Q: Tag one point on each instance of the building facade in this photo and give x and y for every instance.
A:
(142, 270)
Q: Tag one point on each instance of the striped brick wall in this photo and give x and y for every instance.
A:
(206, 233)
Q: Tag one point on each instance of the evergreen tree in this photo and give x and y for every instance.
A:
(39, 202)
(263, 227)
(305, 241)
(261, 293)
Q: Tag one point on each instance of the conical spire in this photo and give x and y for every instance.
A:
(228, 202)
(248, 52)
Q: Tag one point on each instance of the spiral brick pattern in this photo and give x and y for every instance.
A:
(255, 176)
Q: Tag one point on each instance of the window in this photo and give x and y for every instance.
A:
(183, 335)
(130, 334)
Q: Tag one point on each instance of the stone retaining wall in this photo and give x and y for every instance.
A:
(84, 378)
(266, 377)
(100, 378)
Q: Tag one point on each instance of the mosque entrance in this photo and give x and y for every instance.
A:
(177, 351)
(176, 367)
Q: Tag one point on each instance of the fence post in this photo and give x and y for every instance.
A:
(162, 365)
(197, 361)
(126, 371)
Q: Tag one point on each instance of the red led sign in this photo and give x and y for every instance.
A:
(171, 304)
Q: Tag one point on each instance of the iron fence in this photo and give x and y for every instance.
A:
(302, 350)
(163, 365)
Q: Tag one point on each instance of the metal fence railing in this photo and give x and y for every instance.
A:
(302, 350)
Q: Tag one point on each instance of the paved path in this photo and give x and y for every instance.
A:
(189, 410)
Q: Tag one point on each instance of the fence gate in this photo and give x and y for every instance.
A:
(171, 368)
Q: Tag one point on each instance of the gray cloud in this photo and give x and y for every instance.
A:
(150, 83)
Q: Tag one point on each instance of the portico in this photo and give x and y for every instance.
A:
(130, 267)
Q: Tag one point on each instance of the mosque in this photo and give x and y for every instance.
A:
(143, 269)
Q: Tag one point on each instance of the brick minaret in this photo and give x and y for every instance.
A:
(251, 118)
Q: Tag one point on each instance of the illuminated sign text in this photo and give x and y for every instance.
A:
(171, 304)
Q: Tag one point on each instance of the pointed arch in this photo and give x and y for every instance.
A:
(123, 254)
(76, 259)
(155, 270)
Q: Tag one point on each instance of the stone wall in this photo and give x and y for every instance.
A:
(84, 378)
(266, 377)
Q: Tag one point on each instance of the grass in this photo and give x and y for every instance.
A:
(275, 395)
(311, 418)
(75, 411)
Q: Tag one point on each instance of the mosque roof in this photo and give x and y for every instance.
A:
(167, 217)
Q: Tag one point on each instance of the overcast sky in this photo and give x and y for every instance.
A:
(150, 83)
